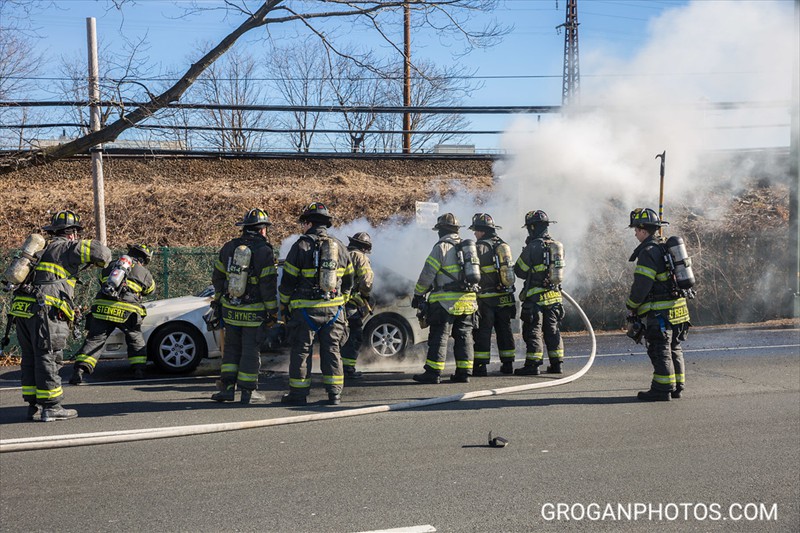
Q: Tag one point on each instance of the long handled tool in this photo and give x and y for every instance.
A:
(663, 157)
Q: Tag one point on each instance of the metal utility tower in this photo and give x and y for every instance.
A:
(571, 79)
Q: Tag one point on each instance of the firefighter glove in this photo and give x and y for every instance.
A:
(417, 301)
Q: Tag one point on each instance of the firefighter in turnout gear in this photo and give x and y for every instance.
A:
(118, 305)
(451, 305)
(359, 305)
(654, 301)
(542, 309)
(245, 282)
(315, 286)
(44, 311)
(496, 302)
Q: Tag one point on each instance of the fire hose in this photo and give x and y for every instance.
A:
(109, 437)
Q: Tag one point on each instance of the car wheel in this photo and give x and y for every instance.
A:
(177, 348)
(386, 336)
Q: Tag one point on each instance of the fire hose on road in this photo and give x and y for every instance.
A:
(109, 437)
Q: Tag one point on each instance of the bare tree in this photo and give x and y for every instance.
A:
(431, 87)
(354, 85)
(230, 81)
(18, 64)
(452, 17)
(117, 70)
(301, 74)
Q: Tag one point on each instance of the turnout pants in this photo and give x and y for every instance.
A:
(42, 339)
(98, 332)
(666, 354)
(241, 357)
(328, 325)
(497, 319)
(443, 326)
(351, 348)
(540, 329)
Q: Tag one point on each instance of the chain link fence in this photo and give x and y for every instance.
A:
(178, 271)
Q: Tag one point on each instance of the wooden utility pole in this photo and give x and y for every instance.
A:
(406, 77)
(97, 154)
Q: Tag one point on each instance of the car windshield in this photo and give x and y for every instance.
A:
(208, 292)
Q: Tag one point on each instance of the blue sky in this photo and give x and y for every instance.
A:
(524, 69)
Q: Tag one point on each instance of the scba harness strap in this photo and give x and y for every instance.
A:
(313, 326)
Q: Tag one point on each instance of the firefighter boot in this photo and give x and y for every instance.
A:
(34, 412)
(350, 373)
(57, 412)
(227, 392)
(677, 392)
(554, 368)
(459, 377)
(480, 370)
(252, 396)
(427, 377)
(294, 399)
(507, 367)
(653, 396)
(528, 370)
(77, 376)
(334, 398)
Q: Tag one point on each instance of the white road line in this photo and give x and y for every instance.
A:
(411, 529)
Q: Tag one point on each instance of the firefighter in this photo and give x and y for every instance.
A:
(245, 282)
(496, 302)
(315, 285)
(541, 309)
(118, 305)
(44, 313)
(359, 306)
(653, 300)
(451, 305)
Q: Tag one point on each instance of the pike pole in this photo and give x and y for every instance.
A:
(663, 157)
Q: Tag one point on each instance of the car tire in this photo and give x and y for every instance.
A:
(386, 337)
(177, 348)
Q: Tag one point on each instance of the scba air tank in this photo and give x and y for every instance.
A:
(237, 271)
(19, 269)
(555, 262)
(328, 265)
(681, 262)
(118, 274)
(504, 262)
(470, 264)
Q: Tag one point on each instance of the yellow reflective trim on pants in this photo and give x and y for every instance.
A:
(680, 378)
(534, 356)
(44, 394)
(664, 380)
(333, 380)
(464, 364)
(348, 362)
(436, 365)
(297, 383)
(247, 378)
(137, 360)
(87, 359)
(507, 353)
(482, 356)
(29, 390)
(229, 368)
(555, 354)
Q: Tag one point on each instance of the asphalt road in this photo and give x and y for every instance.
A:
(581, 456)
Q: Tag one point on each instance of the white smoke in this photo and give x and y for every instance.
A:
(573, 166)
